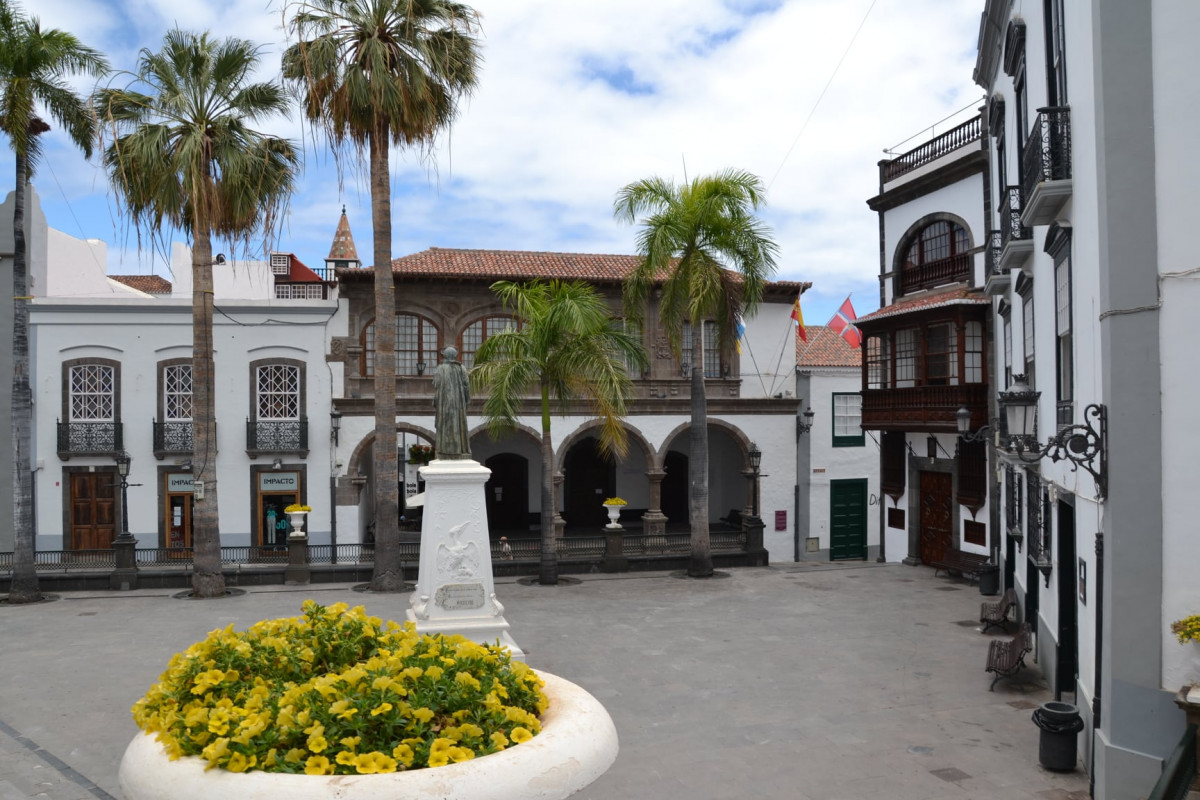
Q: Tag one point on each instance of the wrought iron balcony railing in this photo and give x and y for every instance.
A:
(1010, 216)
(1047, 154)
(995, 248)
(90, 438)
(174, 436)
(951, 140)
(277, 436)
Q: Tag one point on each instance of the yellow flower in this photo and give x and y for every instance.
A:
(520, 734)
(467, 679)
(434, 672)
(404, 754)
(294, 755)
(346, 757)
(317, 743)
(382, 708)
(318, 765)
(422, 714)
(350, 741)
(459, 754)
(499, 740)
(374, 762)
(240, 763)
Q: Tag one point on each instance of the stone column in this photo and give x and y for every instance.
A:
(559, 522)
(614, 557)
(654, 522)
(297, 571)
(125, 576)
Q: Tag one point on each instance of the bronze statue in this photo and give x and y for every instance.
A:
(451, 393)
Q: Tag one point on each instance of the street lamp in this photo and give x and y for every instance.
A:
(335, 425)
(123, 461)
(806, 426)
(1084, 445)
(755, 456)
(963, 419)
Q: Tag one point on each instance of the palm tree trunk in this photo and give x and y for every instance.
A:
(388, 575)
(548, 569)
(24, 581)
(700, 565)
(207, 580)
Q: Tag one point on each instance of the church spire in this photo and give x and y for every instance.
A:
(343, 253)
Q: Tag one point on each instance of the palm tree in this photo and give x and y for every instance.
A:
(703, 241)
(183, 155)
(33, 65)
(370, 74)
(566, 346)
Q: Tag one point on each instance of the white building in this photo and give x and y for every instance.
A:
(838, 462)
(112, 373)
(1091, 110)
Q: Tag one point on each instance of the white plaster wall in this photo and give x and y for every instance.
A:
(828, 463)
(768, 358)
(244, 279)
(79, 269)
(1177, 173)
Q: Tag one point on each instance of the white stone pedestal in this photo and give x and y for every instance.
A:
(455, 593)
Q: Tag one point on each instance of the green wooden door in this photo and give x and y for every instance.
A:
(847, 519)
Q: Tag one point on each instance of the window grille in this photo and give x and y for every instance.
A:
(177, 392)
(93, 396)
(278, 392)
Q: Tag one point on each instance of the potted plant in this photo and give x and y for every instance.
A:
(296, 514)
(420, 454)
(613, 506)
(1188, 630)
(335, 703)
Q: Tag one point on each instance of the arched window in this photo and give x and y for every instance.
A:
(937, 254)
(477, 333)
(416, 346)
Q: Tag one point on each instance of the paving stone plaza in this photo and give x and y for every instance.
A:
(806, 681)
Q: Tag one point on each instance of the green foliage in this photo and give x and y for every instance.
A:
(567, 346)
(338, 692)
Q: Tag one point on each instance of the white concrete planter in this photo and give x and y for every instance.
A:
(577, 744)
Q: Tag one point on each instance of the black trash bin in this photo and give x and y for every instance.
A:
(1060, 722)
(989, 579)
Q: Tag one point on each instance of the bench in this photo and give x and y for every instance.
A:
(1007, 656)
(966, 564)
(995, 612)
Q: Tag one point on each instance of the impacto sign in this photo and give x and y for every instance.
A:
(279, 481)
(179, 482)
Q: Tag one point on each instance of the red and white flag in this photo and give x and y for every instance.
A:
(843, 324)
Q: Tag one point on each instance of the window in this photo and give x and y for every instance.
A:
(278, 392)
(893, 462)
(906, 357)
(973, 353)
(278, 422)
(847, 420)
(477, 333)
(941, 356)
(1064, 351)
(1056, 46)
(712, 352)
(416, 346)
(937, 254)
(1008, 350)
(92, 393)
(300, 291)
(177, 392)
(878, 362)
(633, 327)
(1027, 329)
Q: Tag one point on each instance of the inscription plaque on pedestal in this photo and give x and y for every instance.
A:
(460, 596)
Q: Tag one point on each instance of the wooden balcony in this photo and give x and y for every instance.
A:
(923, 408)
(954, 269)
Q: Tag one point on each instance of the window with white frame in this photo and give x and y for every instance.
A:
(847, 420)
(177, 392)
(478, 332)
(92, 393)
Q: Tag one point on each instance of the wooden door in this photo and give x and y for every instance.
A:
(937, 518)
(93, 510)
(847, 519)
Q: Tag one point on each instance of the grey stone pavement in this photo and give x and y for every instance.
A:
(805, 681)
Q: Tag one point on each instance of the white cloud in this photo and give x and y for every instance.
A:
(545, 142)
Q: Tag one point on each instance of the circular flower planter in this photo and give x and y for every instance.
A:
(577, 744)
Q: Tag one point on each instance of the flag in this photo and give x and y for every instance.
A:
(741, 332)
(798, 318)
(842, 323)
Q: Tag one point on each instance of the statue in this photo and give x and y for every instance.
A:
(451, 393)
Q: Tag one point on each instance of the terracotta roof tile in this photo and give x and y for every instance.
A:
(439, 262)
(150, 284)
(925, 301)
(825, 348)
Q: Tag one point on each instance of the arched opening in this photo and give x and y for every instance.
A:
(507, 495)
(674, 488)
(588, 478)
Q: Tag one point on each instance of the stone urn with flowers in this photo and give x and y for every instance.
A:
(337, 704)
(297, 514)
(613, 506)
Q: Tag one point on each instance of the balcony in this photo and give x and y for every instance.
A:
(998, 278)
(1017, 240)
(922, 408)
(100, 438)
(954, 269)
(1046, 166)
(953, 139)
(273, 437)
(172, 438)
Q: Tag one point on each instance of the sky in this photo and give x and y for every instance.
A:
(578, 98)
